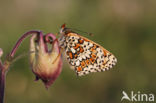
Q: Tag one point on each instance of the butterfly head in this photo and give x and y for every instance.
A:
(64, 30)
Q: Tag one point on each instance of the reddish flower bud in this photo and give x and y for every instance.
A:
(46, 64)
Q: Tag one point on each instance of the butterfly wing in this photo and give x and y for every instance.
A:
(86, 56)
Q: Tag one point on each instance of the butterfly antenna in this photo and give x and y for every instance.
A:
(90, 34)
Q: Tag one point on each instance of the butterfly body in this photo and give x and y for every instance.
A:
(84, 55)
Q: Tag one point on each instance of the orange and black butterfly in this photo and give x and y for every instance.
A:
(84, 55)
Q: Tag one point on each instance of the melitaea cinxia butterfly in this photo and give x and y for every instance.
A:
(84, 55)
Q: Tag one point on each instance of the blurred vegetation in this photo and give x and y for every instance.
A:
(127, 28)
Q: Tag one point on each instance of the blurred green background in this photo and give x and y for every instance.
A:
(127, 28)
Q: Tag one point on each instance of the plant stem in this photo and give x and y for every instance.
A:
(12, 53)
(5, 67)
(2, 82)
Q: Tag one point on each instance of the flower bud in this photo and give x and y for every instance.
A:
(46, 64)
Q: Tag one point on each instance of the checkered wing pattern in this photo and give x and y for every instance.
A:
(86, 56)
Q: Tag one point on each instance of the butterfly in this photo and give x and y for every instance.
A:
(84, 55)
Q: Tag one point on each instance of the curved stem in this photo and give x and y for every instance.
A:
(4, 67)
(12, 53)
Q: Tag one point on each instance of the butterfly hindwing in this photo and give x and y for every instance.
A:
(86, 56)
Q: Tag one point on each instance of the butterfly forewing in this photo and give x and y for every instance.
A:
(84, 55)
